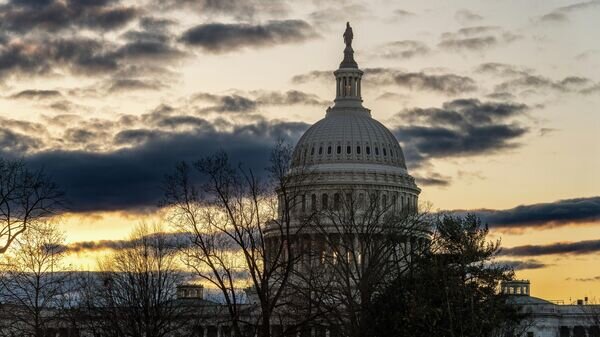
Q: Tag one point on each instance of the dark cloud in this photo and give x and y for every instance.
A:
(11, 141)
(25, 16)
(433, 179)
(127, 85)
(38, 57)
(501, 96)
(288, 98)
(462, 127)
(449, 84)
(475, 38)
(227, 103)
(401, 13)
(524, 80)
(143, 51)
(313, 76)
(501, 69)
(172, 240)
(80, 136)
(557, 248)
(242, 10)
(37, 94)
(402, 49)
(224, 37)
(561, 14)
(464, 16)
(131, 177)
(588, 279)
(523, 265)
(558, 213)
(538, 83)
(238, 103)
(331, 17)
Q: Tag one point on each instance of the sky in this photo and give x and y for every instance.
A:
(495, 104)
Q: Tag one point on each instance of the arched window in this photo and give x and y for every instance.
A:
(368, 149)
(376, 151)
(312, 151)
(303, 202)
(358, 150)
(384, 152)
(384, 201)
(329, 149)
(337, 202)
(320, 150)
(348, 149)
(391, 153)
(361, 200)
(313, 202)
(324, 201)
(394, 200)
(339, 149)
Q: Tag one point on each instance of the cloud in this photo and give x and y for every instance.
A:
(462, 127)
(402, 49)
(475, 38)
(146, 50)
(557, 248)
(228, 37)
(241, 10)
(449, 84)
(338, 15)
(12, 141)
(54, 15)
(238, 103)
(120, 85)
(433, 179)
(226, 103)
(402, 14)
(551, 214)
(313, 76)
(464, 16)
(171, 240)
(39, 57)
(288, 98)
(37, 94)
(561, 14)
(131, 176)
(523, 265)
(525, 80)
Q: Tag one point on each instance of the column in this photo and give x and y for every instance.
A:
(219, 332)
(205, 331)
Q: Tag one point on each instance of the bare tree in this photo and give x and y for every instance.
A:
(241, 234)
(35, 282)
(26, 198)
(364, 242)
(134, 294)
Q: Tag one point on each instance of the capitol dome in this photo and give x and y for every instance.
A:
(349, 136)
(348, 156)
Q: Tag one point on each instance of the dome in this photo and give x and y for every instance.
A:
(349, 136)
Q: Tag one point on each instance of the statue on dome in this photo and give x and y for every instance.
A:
(348, 35)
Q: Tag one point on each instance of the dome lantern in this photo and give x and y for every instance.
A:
(348, 76)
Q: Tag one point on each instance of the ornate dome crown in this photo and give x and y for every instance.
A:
(348, 134)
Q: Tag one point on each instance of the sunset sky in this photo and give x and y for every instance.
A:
(495, 104)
